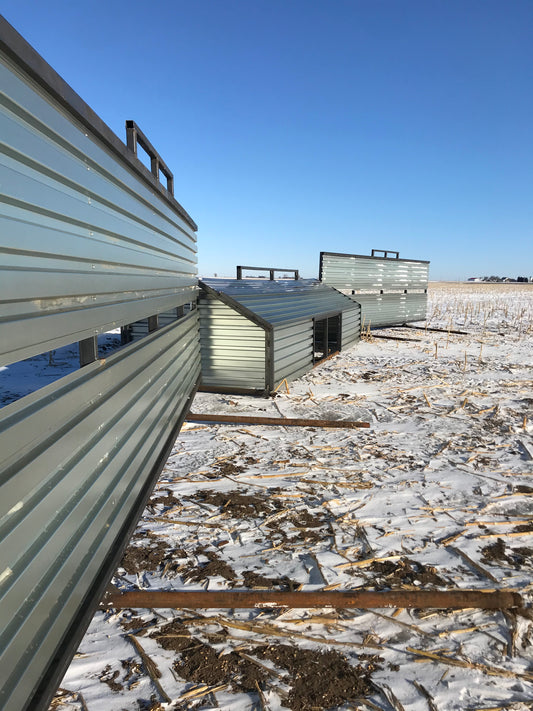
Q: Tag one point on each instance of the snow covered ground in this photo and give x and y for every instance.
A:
(436, 494)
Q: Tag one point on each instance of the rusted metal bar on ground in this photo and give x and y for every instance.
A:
(394, 338)
(363, 599)
(279, 421)
(437, 330)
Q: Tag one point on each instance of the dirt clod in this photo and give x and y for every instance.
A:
(136, 625)
(254, 580)
(215, 566)
(174, 636)
(109, 677)
(319, 680)
(166, 501)
(404, 572)
(200, 663)
(499, 552)
(137, 559)
(236, 504)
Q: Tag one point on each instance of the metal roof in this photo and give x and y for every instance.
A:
(279, 302)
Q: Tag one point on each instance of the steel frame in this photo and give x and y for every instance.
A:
(271, 270)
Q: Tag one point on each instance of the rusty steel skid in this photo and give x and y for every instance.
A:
(363, 599)
(437, 330)
(274, 421)
(394, 338)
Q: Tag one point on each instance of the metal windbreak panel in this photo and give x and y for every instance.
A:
(390, 291)
(233, 348)
(86, 243)
(74, 458)
(379, 310)
(352, 271)
(416, 307)
(89, 241)
(293, 351)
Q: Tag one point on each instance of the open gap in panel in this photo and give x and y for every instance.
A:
(326, 336)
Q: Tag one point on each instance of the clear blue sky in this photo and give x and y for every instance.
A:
(299, 126)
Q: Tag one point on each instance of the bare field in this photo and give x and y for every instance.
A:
(435, 495)
(482, 306)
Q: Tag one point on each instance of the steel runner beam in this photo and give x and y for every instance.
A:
(276, 421)
(456, 599)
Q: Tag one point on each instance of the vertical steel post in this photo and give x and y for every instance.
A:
(88, 350)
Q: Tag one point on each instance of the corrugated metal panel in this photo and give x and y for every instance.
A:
(353, 271)
(89, 241)
(75, 456)
(389, 290)
(293, 351)
(416, 307)
(233, 348)
(284, 310)
(381, 310)
(140, 329)
(281, 302)
(351, 328)
(167, 317)
(70, 208)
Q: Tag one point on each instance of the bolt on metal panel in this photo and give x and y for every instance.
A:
(351, 327)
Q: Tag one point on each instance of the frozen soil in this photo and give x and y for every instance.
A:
(436, 494)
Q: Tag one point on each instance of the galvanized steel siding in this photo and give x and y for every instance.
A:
(416, 305)
(390, 291)
(293, 351)
(233, 348)
(282, 302)
(86, 246)
(352, 271)
(74, 458)
(391, 309)
(350, 327)
(283, 311)
(88, 242)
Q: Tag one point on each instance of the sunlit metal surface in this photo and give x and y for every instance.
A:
(256, 333)
(86, 244)
(89, 241)
(390, 291)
